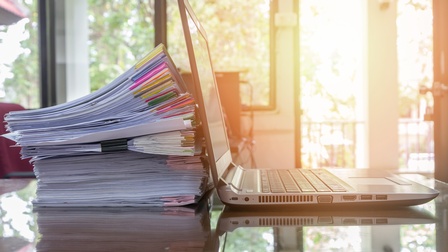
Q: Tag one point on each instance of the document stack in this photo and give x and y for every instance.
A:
(132, 142)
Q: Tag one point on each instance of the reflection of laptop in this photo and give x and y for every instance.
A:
(230, 219)
(298, 230)
(238, 186)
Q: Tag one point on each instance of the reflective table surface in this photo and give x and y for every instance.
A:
(209, 226)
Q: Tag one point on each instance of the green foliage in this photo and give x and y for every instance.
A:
(120, 33)
(331, 73)
(249, 239)
(19, 201)
(23, 87)
(418, 237)
(329, 60)
(415, 48)
(239, 36)
(328, 238)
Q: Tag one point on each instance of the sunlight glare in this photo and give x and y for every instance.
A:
(333, 35)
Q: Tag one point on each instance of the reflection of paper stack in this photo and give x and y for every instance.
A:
(123, 229)
(116, 146)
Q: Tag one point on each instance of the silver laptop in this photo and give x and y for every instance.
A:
(238, 186)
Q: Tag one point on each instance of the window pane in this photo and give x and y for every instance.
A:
(239, 37)
(120, 33)
(331, 80)
(19, 66)
(331, 77)
(415, 69)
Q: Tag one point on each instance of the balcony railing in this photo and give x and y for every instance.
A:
(340, 143)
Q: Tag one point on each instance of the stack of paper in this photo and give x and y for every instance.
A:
(147, 99)
(115, 146)
(177, 142)
(120, 179)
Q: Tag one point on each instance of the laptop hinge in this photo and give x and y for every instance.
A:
(234, 177)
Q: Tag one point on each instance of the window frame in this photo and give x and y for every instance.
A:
(47, 52)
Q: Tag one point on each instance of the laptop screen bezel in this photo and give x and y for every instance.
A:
(219, 165)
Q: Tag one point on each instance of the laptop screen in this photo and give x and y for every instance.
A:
(206, 93)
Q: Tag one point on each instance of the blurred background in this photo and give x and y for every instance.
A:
(320, 83)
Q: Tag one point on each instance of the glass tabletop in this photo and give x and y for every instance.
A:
(210, 226)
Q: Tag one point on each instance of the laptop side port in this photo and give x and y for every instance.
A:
(381, 221)
(349, 221)
(381, 197)
(366, 222)
(324, 198)
(325, 220)
(366, 197)
(349, 197)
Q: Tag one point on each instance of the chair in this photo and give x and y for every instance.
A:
(11, 164)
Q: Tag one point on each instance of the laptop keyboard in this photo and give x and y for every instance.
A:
(299, 180)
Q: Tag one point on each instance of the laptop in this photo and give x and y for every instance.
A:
(238, 186)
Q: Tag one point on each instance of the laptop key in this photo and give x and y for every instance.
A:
(301, 181)
(288, 181)
(264, 182)
(329, 181)
(315, 181)
(275, 182)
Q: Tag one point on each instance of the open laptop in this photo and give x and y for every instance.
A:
(238, 186)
